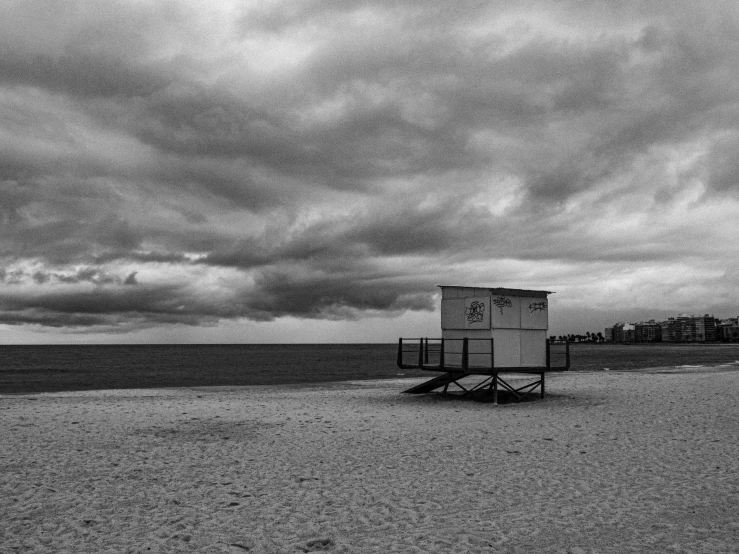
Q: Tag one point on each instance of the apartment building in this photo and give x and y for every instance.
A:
(621, 332)
(727, 330)
(683, 328)
(647, 331)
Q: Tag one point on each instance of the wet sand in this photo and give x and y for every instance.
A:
(608, 462)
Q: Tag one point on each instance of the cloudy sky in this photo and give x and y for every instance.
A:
(310, 170)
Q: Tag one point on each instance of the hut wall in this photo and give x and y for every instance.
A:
(516, 319)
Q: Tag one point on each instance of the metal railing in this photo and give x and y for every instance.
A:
(465, 354)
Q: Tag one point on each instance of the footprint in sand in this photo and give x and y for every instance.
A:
(318, 545)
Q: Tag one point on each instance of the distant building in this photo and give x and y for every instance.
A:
(705, 328)
(727, 330)
(683, 328)
(622, 332)
(649, 331)
(667, 329)
(689, 328)
(608, 334)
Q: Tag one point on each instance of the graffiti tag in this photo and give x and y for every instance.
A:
(475, 312)
(502, 302)
(537, 307)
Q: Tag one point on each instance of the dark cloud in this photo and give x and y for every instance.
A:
(724, 165)
(60, 241)
(83, 74)
(160, 164)
(143, 257)
(334, 296)
(92, 275)
(358, 237)
(117, 305)
(277, 291)
(40, 277)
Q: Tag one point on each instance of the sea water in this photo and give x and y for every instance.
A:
(68, 367)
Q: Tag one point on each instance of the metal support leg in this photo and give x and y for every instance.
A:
(542, 385)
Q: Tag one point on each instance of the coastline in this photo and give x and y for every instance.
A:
(607, 462)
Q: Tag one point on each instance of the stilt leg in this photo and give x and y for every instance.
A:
(542, 385)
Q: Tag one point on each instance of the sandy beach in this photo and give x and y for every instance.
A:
(608, 462)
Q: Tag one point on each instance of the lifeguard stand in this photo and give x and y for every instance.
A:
(486, 331)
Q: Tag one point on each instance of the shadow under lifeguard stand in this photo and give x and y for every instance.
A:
(487, 332)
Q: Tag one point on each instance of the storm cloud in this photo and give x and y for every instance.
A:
(165, 163)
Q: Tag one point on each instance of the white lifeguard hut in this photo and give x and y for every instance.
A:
(486, 331)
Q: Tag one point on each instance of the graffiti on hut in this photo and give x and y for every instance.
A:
(502, 302)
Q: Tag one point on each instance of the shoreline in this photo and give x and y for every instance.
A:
(607, 462)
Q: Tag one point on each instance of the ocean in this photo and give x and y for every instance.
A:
(35, 369)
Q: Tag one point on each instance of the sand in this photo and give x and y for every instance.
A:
(608, 462)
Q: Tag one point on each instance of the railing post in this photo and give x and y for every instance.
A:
(426, 352)
(567, 355)
(400, 352)
(420, 352)
(549, 361)
(492, 352)
(441, 355)
(465, 353)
